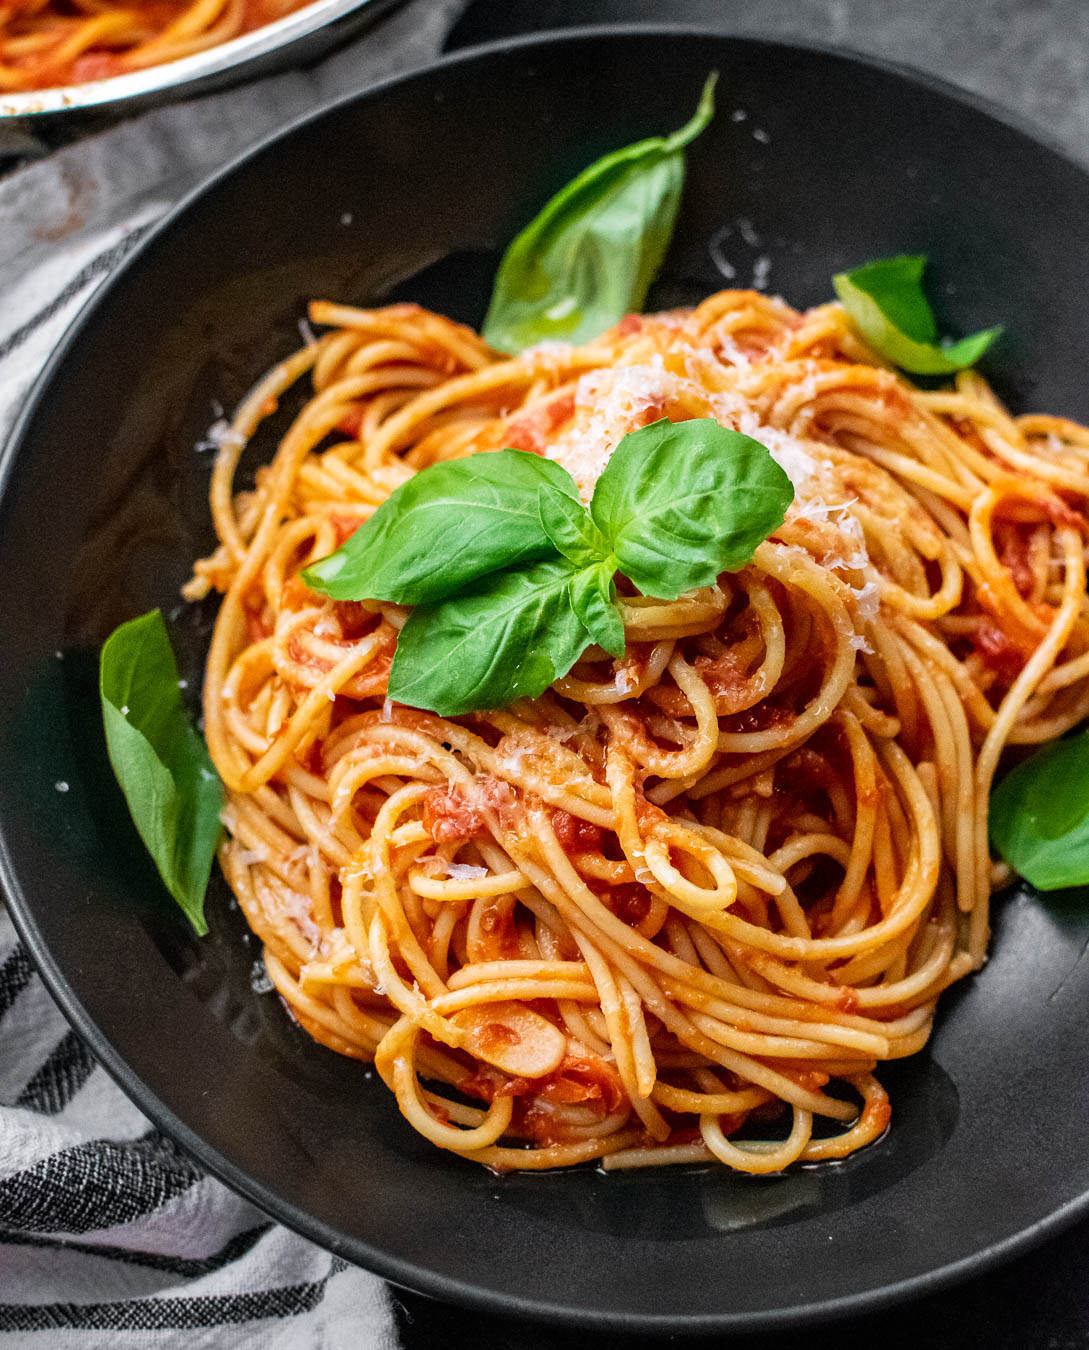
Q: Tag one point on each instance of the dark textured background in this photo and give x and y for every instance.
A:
(1029, 56)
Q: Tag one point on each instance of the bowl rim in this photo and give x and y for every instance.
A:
(396, 1270)
(185, 72)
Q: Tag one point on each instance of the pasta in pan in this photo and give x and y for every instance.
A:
(45, 44)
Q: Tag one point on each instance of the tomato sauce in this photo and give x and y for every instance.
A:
(629, 901)
(574, 834)
(998, 651)
(531, 432)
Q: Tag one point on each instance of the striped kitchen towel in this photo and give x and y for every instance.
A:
(110, 1236)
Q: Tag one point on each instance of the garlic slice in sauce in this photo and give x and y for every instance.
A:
(513, 1038)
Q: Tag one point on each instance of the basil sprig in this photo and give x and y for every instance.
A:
(887, 303)
(159, 758)
(1039, 815)
(507, 638)
(590, 255)
(682, 502)
(475, 514)
(677, 504)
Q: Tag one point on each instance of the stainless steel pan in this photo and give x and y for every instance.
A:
(293, 40)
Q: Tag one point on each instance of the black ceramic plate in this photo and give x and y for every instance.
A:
(814, 162)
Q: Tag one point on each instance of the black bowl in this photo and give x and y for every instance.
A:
(814, 162)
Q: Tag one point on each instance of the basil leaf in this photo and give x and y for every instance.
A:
(593, 595)
(590, 255)
(886, 302)
(508, 638)
(681, 502)
(160, 760)
(512, 577)
(449, 525)
(1039, 815)
(570, 528)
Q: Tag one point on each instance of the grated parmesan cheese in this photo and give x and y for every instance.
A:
(729, 351)
(588, 726)
(336, 948)
(558, 733)
(790, 453)
(511, 757)
(295, 906)
(608, 404)
(623, 683)
(465, 871)
(219, 435)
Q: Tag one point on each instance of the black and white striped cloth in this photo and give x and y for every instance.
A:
(110, 1236)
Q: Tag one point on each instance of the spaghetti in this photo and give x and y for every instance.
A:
(49, 43)
(678, 908)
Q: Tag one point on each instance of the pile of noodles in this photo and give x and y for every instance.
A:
(49, 43)
(681, 906)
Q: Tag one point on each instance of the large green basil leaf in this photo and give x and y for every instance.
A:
(509, 637)
(885, 300)
(590, 255)
(680, 502)
(161, 763)
(449, 525)
(1039, 815)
